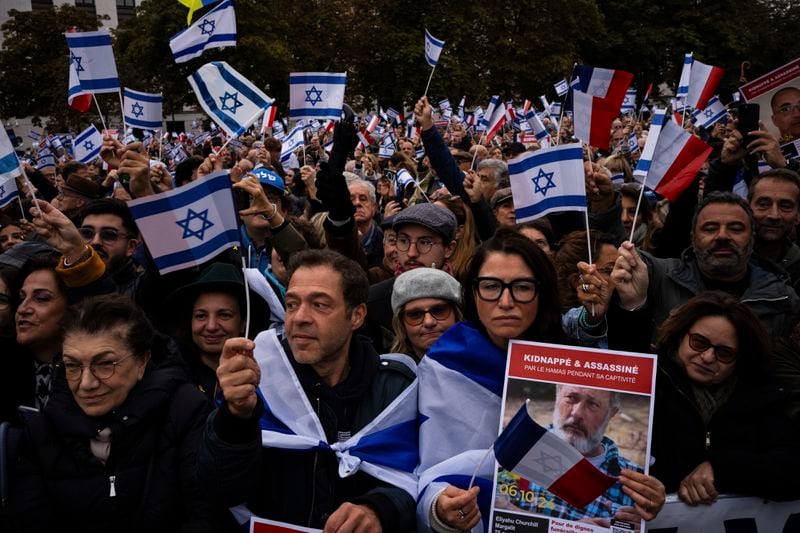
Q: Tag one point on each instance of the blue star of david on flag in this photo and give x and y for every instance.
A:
(316, 98)
(226, 106)
(137, 109)
(207, 27)
(88, 146)
(2, 191)
(77, 60)
(186, 224)
(708, 113)
(548, 177)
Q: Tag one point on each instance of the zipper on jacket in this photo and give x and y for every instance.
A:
(112, 491)
(708, 440)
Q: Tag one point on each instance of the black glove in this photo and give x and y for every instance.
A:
(344, 141)
(332, 191)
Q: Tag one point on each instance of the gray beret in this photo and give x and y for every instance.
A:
(437, 219)
(424, 283)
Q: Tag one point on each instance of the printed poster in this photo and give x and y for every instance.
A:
(601, 403)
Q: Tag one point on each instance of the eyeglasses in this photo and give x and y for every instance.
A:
(391, 240)
(107, 235)
(785, 109)
(698, 343)
(99, 369)
(423, 244)
(5, 301)
(415, 317)
(523, 290)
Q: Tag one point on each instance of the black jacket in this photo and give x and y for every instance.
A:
(304, 488)
(147, 484)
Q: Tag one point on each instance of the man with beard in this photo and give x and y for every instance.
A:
(720, 258)
(108, 227)
(581, 417)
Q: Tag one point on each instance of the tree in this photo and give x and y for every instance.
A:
(34, 62)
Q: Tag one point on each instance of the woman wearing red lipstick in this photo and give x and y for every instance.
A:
(719, 424)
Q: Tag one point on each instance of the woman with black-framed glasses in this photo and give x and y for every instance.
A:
(512, 294)
(720, 422)
(114, 448)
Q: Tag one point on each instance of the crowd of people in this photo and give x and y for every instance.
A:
(136, 400)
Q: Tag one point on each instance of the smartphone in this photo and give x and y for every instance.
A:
(748, 121)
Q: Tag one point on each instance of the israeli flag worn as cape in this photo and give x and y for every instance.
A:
(386, 448)
(215, 29)
(229, 98)
(189, 225)
(93, 58)
(87, 145)
(317, 95)
(460, 391)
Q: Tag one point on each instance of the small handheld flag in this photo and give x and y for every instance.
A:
(215, 29)
(93, 59)
(316, 95)
(229, 98)
(547, 181)
(433, 48)
(143, 110)
(87, 145)
(189, 225)
(523, 444)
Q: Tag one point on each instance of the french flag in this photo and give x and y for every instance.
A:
(269, 118)
(703, 82)
(671, 157)
(604, 83)
(524, 446)
(593, 116)
(494, 117)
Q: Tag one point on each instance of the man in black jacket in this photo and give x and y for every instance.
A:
(346, 384)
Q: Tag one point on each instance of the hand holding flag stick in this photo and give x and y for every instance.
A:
(58, 231)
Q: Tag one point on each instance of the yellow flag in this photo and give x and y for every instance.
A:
(193, 6)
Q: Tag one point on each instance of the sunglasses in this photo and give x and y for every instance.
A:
(415, 317)
(107, 235)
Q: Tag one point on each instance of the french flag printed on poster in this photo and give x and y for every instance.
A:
(547, 181)
(523, 443)
(683, 83)
(592, 118)
(703, 82)
(608, 84)
(671, 158)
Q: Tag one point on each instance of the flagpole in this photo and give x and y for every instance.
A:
(563, 107)
(250, 121)
(246, 298)
(30, 186)
(122, 112)
(475, 155)
(102, 120)
(160, 134)
(586, 211)
(429, 81)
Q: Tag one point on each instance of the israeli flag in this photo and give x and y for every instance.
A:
(8, 190)
(536, 125)
(189, 225)
(9, 165)
(486, 118)
(561, 87)
(686, 73)
(386, 448)
(629, 103)
(229, 98)
(143, 110)
(93, 58)
(433, 48)
(216, 29)
(648, 153)
(316, 95)
(292, 142)
(451, 445)
(547, 181)
(45, 160)
(446, 110)
(713, 112)
(87, 145)
(35, 136)
(388, 146)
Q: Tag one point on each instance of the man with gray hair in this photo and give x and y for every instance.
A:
(580, 417)
(362, 195)
(493, 174)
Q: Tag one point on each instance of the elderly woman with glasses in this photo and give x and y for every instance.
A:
(426, 302)
(114, 448)
(720, 424)
(512, 295)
